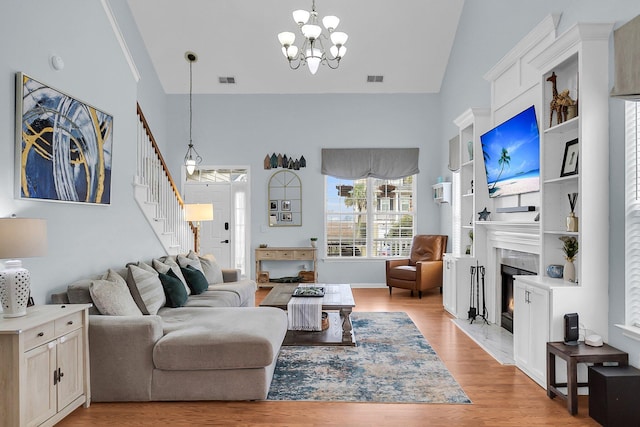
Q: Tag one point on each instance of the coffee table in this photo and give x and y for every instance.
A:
(337, 301)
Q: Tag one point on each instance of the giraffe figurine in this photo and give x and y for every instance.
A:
(555, 104)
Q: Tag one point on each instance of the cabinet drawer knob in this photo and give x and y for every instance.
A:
(40, 334)
(70, 322)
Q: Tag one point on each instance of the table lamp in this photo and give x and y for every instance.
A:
(19, 238)
(197, 212)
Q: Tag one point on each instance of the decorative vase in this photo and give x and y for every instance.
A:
(572, 111)
(313, 243)
(572, 222)
(14, 289)
(470, 149)
(555, 271)
(569, 272)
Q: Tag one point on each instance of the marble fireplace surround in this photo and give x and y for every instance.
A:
(513, 243)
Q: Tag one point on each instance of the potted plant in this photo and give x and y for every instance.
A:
(570, 249)
(313, 241)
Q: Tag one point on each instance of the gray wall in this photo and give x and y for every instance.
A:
(243, 129)
(82, 239)
(488, 30)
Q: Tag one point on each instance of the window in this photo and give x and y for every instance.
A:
(369, 217)
(632, 218)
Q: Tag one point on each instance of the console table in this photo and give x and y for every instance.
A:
(574, 354)
(283, 254)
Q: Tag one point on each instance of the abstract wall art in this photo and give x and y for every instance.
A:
(63, 146)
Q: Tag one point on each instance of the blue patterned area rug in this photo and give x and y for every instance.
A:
(392, 362)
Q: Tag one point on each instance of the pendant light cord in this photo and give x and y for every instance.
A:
(190, 101)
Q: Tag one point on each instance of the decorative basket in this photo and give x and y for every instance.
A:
(325, 320)
(263, 277)
(307, 276)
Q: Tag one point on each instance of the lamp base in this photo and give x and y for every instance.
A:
(14, 289)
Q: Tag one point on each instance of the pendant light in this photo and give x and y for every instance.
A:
(192, 158)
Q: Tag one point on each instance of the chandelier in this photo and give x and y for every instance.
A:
(312, 52)
(192, 158)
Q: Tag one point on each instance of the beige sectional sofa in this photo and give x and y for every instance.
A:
(216, 346)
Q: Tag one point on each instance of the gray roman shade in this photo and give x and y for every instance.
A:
(357, 163)
(626, 43)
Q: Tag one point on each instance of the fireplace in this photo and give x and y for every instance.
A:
(506, 313)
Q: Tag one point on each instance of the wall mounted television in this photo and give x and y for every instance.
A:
(511, 153)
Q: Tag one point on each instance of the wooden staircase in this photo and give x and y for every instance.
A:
(158, 197)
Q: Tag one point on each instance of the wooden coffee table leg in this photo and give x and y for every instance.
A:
(347, 327)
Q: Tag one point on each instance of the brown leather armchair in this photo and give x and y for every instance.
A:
(423, 269)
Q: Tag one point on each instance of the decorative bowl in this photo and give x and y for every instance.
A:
(555, 271)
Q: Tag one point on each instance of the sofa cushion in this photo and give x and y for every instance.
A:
(212, 271)
(191, 259)
(112, 297)
(146, 289)
(169, 264)
(224, 338)
(173, 289)
(214, 299)
(195, 280)
(78, 293)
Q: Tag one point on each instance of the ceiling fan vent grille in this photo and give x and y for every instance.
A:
(227, 80)
(375, 79)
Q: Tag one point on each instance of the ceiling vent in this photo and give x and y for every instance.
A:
(227, 80)
(374, 79)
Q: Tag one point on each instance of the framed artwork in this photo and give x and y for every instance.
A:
(63, 146)
(286, 217)
(286, 205)
(273, 205)
(570, 158)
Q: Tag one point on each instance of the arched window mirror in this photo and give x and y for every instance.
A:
(285, 200)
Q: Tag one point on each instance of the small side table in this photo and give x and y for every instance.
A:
(574, 354)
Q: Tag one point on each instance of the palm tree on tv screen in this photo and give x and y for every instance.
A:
(502, 161)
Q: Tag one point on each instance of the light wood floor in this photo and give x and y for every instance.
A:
(501, 395)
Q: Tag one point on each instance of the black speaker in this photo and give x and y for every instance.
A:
(571, 329)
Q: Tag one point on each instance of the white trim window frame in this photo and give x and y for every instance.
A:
(631, 328)
(369, 218)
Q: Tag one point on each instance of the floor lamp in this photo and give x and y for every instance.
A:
(196, 213)
(19, 238)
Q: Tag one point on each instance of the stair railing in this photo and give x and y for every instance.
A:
(162, 192)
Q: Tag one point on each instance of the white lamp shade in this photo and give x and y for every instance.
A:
(198, 212)
(330, 22)
(191, 166)
(338, 52)
(339, 38)
(22, 237)
(286, 38)
(290, 52)
(313, 57)
(19, 238)
(301, 16)
(311, 31)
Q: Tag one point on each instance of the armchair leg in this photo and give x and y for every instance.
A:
(440, 289)
(419, 294)
(412, 293)
(390, 290)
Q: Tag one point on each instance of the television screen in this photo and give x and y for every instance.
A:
(511, 154)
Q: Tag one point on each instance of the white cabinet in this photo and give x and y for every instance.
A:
(466, 202)
(530, 329)
(46, 364)
(456, 284)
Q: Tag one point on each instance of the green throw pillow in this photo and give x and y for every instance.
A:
(173, 289)
(195, 279)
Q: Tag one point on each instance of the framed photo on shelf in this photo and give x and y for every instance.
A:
(273, 205)
(286, 205)
(570, 159)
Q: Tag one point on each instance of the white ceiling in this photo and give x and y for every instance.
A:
(406, 41)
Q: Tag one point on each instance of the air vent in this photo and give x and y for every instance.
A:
(227, 80)
(374, 79)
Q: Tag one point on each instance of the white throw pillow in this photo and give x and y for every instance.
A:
(112, 298)
(212, 271)
(169, 264)
(146, 289)
(190, 259)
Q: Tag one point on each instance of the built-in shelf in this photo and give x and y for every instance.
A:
(562, 233)
(562, 180)
(569, 125)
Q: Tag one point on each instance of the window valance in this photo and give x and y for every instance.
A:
(357, 163)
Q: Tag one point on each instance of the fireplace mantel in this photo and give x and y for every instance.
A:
(519, 236)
